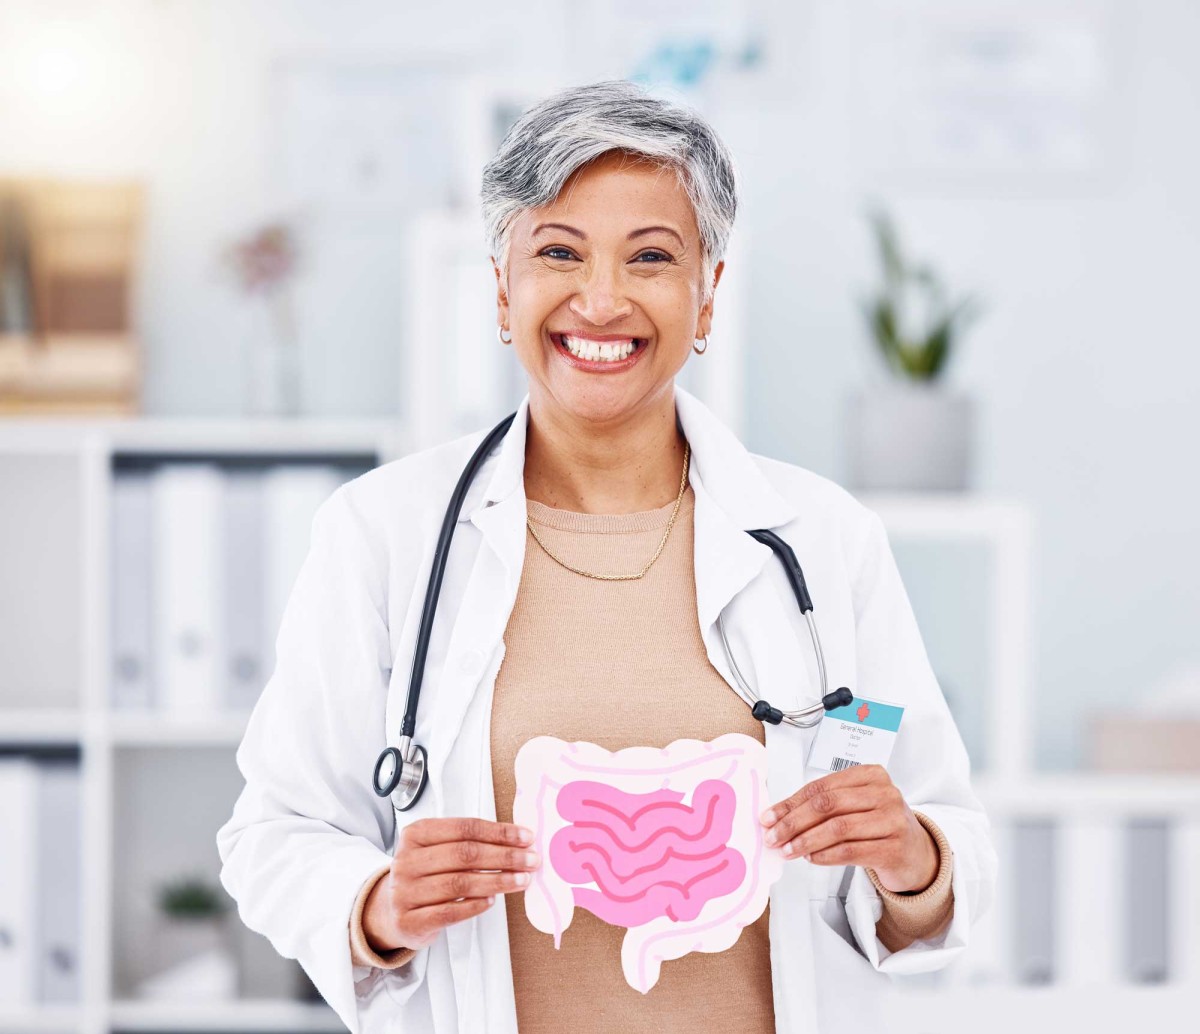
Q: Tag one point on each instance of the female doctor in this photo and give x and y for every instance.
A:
(594, 552)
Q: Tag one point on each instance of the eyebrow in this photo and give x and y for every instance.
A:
(583, 236)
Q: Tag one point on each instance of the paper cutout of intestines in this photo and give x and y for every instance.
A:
(665, 842)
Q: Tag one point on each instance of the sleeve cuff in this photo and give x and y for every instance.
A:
(918, 915)
(361, 953)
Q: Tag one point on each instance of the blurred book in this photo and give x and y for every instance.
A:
(1147, 905)
(291, 496)
(1133, 743)
(132, 679)
(204, 560)
(69, 256)
(18, 880)
(244, 607)
(187, 577)
(1160, 734)
(58, 932)
(16, 292)
(1034, 921)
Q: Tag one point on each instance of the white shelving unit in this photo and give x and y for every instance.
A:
(1004, 527)
(1086, 818)
(82, 455)
(986, 995)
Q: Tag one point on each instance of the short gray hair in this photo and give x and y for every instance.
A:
(565, 131)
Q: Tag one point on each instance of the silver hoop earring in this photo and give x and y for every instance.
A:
(701, 351)
(500, 335)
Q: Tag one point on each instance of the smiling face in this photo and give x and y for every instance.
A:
(604, 296)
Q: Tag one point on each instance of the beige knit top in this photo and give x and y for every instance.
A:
(621, 664)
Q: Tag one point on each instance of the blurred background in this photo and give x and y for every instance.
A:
(242, 261)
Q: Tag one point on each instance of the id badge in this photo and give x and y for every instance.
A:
(863, 732)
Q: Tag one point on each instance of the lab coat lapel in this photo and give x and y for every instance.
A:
(474, 642)
(733, 496)
(739, 575)
(496, 507)
(734, 576)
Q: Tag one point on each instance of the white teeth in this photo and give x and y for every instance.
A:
(606, 351)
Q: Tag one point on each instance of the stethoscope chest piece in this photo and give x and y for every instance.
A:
(402, 781)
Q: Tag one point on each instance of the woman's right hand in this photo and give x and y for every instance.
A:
(436, 878)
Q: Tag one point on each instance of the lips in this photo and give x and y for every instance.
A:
(611, 353)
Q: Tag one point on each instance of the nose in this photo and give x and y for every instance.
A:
(600, 298)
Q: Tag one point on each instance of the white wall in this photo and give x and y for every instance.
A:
(1085, 367)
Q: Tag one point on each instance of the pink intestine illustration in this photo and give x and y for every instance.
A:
(665, 842)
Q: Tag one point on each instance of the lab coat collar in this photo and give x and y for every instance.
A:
(728, 472)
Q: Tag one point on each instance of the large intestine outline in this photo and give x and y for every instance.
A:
(699, 803)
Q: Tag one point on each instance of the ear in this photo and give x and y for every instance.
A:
(704, 320)
(501, 295)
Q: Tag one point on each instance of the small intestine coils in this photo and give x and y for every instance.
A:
(663, 841)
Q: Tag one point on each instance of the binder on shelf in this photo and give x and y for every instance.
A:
(1183, 924)
(18, 880)
(292, 494)
(132, 677)
(1147, 905)
(58, 931)
(1090, 891)
(243, 607)
(1036, 926)
(188, 570)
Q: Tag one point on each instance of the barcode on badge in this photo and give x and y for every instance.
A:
(840, 763)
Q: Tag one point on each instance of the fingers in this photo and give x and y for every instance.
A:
(428, 832)
(845, 806)
(860, 775)
(450, 886)
(444, 860)
(470, 854)
(837, 832)
(819, 809)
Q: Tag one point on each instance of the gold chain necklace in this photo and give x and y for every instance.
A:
(624, 577)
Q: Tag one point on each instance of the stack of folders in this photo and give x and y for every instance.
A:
(40, 925)
(203, 562)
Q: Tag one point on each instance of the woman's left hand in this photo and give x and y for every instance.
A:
(855, 817)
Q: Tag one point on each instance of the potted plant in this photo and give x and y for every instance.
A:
(192, 943)
(913, 434)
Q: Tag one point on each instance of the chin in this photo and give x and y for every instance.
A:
(600, 406)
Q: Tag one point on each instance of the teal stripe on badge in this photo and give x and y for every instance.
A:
(879, 716)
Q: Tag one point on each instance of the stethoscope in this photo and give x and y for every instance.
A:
(401, 772)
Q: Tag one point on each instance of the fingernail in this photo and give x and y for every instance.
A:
(531, 858)
(522, 879)
(767, 817)
(772, 836)
(526, 835)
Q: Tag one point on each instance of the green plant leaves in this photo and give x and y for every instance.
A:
(924, 355)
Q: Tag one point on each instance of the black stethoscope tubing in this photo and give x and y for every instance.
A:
(402, 773)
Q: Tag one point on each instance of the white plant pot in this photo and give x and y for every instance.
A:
(909, 437)
(194, 961)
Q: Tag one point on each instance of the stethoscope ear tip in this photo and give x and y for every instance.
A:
(840, 697)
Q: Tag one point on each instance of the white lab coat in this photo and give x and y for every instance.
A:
(308, 828)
